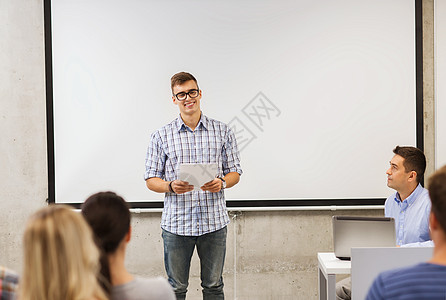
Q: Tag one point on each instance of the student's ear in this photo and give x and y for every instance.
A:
(433, 222)
(128, 235)
(412, 176)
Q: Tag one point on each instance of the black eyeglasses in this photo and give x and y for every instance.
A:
(183, 95)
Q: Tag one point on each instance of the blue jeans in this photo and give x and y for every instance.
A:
(211, 249)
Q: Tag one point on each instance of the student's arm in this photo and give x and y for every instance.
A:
(230, 164)
(214, 186)
(429, 243)
(231, 179)
(231, 160)
(159, 185)
(155, 170)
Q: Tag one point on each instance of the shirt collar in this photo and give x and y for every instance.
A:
(412, 197)
(203, 122)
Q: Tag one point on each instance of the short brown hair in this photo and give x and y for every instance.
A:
(414, 160)
(437, 193)
(180, 78)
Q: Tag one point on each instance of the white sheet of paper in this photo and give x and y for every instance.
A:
(197, 174)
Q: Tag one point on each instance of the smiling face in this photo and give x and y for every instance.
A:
(190, 106)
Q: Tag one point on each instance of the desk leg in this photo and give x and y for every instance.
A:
(331, 287)
(322, 285)
(327, 286)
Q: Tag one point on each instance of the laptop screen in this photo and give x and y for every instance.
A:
(349, 231)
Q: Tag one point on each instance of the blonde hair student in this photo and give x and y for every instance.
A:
(61, 260)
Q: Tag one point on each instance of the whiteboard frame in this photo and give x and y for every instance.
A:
(236, 205)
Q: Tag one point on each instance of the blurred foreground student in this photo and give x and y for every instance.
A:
(61, 259)
(8, 284)
(109, 217)
(409, 205)
(424, 280)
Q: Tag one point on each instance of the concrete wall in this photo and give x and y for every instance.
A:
(270, 255)
(23, 164)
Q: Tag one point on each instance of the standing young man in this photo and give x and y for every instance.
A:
(410, 205)
(193, 218)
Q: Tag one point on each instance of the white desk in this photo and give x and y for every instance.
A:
(329, 266)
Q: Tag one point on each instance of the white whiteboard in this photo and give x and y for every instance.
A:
(337, 79)
(440, 82)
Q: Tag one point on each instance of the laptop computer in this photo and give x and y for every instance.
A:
(351, 232)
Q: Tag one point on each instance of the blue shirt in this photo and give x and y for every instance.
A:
(411, 216)
(423, 281)
(198, 212)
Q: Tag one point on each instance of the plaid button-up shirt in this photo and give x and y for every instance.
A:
(198, 212)
(8, 283)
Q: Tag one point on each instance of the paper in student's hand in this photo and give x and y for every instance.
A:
(197, 174)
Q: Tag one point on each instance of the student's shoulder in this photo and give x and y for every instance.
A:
(390, 201)
(423, 199)
(391, 281)
(173, 125)
(144, 288)
(157, 287)
(216, 124)
(212, 120)
(152, 280)
(424, 278)
(403, 274)
(8, 275)
(425, 193)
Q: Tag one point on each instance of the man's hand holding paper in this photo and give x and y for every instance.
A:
(212, 186)
(181, 187)
(200, 176)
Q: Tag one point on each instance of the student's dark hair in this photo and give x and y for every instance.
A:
(414, 160)
(109, 217)
(437, 193)
(180, 78)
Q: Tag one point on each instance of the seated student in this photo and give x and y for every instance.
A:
(109, 217)
(8, 284)
(409, 205)
(424, 280)
(61, 260)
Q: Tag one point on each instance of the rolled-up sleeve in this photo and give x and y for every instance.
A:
(155, 158)
(231, 155)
